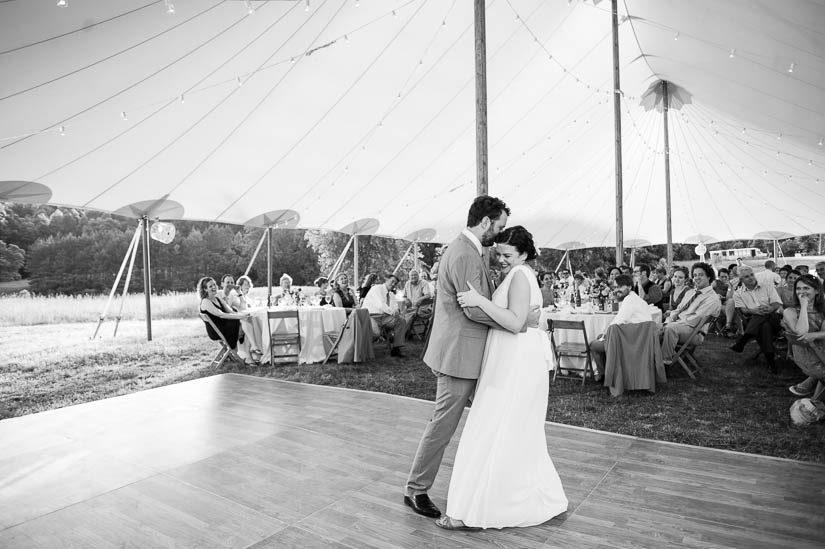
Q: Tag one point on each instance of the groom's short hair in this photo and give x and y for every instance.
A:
(486, 206)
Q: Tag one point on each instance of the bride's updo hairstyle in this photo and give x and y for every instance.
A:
(519, 238)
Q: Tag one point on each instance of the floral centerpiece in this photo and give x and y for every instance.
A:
(599, 292)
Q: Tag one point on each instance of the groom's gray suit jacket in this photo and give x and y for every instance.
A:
(458, 335)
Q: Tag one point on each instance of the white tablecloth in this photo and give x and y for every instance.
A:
(595, 324)
(315, 321)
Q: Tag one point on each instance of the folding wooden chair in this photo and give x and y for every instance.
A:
(571, 349)
(684, 351)
(225, 351)
(333, 339)
(287, 338)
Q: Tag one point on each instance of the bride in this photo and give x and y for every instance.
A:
(503, 475)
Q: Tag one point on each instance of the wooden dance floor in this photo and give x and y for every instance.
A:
(240, 461)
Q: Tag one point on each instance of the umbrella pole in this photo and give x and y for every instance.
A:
(255, 255)
(617, 117)
(355, 258)
(666, 106)
(269, 266)
(147, 278)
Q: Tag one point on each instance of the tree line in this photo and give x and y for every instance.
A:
(72, 251)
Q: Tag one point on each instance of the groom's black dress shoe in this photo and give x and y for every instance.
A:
(422, 505)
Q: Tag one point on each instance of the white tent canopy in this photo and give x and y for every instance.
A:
(365, 109)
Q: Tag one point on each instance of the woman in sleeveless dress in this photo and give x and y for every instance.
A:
(224, 318)
(503, 475)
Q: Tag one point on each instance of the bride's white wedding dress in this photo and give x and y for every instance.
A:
(503, 475)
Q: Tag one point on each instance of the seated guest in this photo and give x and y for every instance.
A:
(759, 306)
(379, 303)
(251, 329)
(803, 269)
(611, 276)
(417, 298)
(721, 286)
(783, 274)
(820, 270)
(565, 280)
(665, 285)
(644, 287)
(548, 295)
(369, 280)
(787, 292)
(288, 296)
(805, 331)
(767, 277)
(626, 270)
(697, 304)
(342, 295)
(225, 319)
(229, 291)
(323, 286)
(632, 310)
(680, 287)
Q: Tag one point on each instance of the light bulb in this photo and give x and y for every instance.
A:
(181, 98)
(394, 14)
(170, 7)
(820, 141)
(240, 82)
(791, 67)
(676, 36)
(306, 8)
(62, 130)
(732, 53)
(810, 162)
(357, 3)
(62, 4)
(779, 136)
(249, 9)
(444, 23)
(123, 115)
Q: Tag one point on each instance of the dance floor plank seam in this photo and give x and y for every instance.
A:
(241, 461)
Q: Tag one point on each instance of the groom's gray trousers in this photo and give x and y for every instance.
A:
(451, 396)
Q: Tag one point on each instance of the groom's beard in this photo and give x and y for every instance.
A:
(488, 238)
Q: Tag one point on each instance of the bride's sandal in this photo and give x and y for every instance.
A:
(454, 524)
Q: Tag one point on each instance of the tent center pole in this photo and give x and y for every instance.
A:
(617, 117)
(666, 106)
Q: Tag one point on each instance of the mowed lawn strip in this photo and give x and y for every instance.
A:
(735, 404)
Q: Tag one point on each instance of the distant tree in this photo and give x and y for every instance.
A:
(12, 259)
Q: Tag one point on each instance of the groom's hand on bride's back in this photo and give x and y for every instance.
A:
(532, 318)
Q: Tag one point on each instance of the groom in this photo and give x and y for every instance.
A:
(456, 344)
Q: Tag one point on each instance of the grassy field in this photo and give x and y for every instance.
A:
(735, 405)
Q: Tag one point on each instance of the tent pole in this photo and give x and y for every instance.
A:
(147, 278)
(355, 259)
(126, 284)
(563, 257)
(481, 97)
(129, 252)
(340, 260)
(269, 266)
(617, 117)
(255, 255)
(666, 105)
(403, 257)
(416, 263)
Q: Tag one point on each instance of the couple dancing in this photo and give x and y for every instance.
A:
(503, 475)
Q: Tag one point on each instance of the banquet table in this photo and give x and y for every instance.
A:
(595, 324)
(315, 322)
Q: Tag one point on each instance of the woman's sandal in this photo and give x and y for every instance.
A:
(454, 524)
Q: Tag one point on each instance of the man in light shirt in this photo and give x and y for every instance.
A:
(759, 305)
(418, 299)
(820, 270)
(384, 310)
(697, 304)
(767, 277)
(632, 310)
